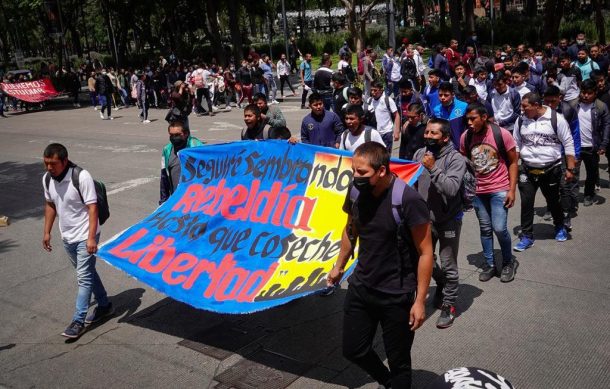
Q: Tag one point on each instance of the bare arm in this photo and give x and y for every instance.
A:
(49, 218)
(345, 252)
(422, 238)
(91, 242)
(513, 173)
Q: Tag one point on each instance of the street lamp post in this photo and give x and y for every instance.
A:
(285, 27)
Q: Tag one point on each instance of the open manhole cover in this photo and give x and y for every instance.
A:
(222, 340)
(262, 369)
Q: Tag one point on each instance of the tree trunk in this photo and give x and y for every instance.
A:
(531, 7)
(214, 33)
(418, 12)
(455, 15)
(234, 12)
(599, 22)
(468, 17)
(503, 9)
(442, 13)
(553, 13)
(358, 32)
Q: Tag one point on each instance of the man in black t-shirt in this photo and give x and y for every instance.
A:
(390, 281)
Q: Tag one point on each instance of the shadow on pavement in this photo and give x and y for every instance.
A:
(7, 245)
(301, 338)
(21, 195)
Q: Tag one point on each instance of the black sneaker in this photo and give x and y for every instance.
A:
(508, 272)
(445, 320)
(74, 330)
(99, 313)
(547, 216)
(488, 273)
(438, 297)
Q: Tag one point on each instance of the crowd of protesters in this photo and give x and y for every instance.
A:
(484, 124)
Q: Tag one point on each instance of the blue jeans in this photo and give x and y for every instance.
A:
(492, 217)
(87, 278)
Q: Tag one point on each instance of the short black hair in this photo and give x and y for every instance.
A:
(532, 98)
(522, 68)
(597, 74)
(254, 109)
(444, 123)
(259, 96)
(377, 84)
(435, 72)
(478, 108)
(459, 64)
(56, 149)
(354, 109)
(375, 153)
(552, 90)
(588, 85)
(470, 89)
(178, 123)
(500, 76)
(315, 96)
(280, 133)
(338, 77)
(446, 86)
(418, 108)
(354, 91)
(405, 83)
(565, 56)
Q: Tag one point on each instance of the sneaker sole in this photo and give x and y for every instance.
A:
(442, 327)
(515, 267)
(519, 250)
(73, 336)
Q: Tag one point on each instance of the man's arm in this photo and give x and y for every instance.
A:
(447, 181)
(422, 238)
(49, 218)
(276, 119)
(164, 187)
(513, 173)
(345, 252)
(604, 116)
(396, 125)
(304, 133)
(91, 242)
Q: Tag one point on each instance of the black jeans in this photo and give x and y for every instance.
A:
(549, 184)
(590, 159)
(364, 309)
(285, 80)
(447, 234)
(204, 92)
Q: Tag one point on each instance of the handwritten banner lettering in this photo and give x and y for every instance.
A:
(252, 225)
(31, 91)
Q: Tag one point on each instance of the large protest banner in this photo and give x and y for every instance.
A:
(252, 225)
(31, 91)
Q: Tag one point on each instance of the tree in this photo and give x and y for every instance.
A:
(356, 25)
(553, 13)
(599, 21)
(455, 15)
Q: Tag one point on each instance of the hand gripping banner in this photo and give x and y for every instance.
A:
(31, 91)
(251, 226)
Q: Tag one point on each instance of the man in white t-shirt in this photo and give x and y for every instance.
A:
(80, 232)
(357, 133)
(386, 115)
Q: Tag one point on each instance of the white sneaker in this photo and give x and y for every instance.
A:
(228, 108)
(110, 118)
(215, 108)
(275, 102)
(95, 108)
(102, 115)
(116, 108)
(146, 121)
(77, 105)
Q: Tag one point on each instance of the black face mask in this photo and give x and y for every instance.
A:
(178, 142)
(363, 184)
(432, 145)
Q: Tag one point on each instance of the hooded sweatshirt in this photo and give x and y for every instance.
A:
(441, 186)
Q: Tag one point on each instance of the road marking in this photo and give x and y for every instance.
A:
(113, 149)
(125, 185)
(113, 189)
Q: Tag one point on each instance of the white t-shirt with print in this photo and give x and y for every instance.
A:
(73, 215)
(383, 114)
(353, 141)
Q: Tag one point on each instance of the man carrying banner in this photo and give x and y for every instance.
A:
(391, 278)
(80, 232)
(179, 138)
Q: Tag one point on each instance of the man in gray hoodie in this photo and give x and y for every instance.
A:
(440, 185)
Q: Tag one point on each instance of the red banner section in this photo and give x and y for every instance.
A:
(31, 91)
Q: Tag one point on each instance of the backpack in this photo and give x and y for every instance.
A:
(349, 73)
(367, 135)
(387, 104)
(468, 189)
(103, 209)
(398, 189)
(361, 65)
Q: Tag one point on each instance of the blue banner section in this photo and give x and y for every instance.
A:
(252, 225)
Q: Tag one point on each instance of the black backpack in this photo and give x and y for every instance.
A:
(349, 73)
(103, 209)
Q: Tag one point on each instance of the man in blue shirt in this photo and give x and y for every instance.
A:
(306, 78)
(430, 95)
(451, 109)
(321, 127)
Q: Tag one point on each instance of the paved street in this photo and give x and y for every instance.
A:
(547, 329)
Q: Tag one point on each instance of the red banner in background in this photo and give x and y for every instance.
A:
(31, 91)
